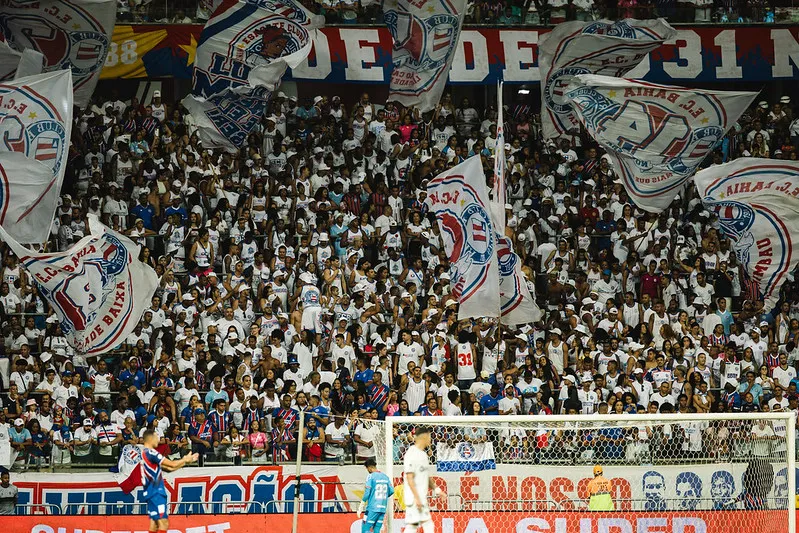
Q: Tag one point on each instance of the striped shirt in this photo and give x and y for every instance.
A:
(152, 476)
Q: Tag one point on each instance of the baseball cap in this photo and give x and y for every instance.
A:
(18, 422)
(156, 94)
(87, 421)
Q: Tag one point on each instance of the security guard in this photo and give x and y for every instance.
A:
(599, 492)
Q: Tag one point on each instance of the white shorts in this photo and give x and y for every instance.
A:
(311, 319)
(414, 516)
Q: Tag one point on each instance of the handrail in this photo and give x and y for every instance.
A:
(46, 509)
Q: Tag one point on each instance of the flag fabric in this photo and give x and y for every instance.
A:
(70, 34)
(425, 34)
(517, 304)
(36, 130)
(756, 203)
(128, 471)
(498, 189)
(242, 54)
(459, 199)
(601, 47)
(465, 457)
(9, 59)
(655, 135)
(98, 288)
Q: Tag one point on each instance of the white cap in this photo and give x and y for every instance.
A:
(156, 94)
(556, 331)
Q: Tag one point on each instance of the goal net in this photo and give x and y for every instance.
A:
(675, 473)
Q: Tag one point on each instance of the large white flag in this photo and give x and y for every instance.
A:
(518, 305)
(656, 135)
(602, 47)
(425, 33)
(459, 199)
(35, 126)
(757, 202)
(243, 52)
(498, 190)
(70, 34)
(98, 288)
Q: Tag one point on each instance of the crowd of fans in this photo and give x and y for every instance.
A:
(494, 12)
(304, 276)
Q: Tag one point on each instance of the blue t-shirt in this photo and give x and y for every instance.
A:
(365, 375)
(489, 402)
(378, 490)
(152, 476)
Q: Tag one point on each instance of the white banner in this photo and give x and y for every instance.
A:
(425, 34)
(35, 123)
(602, 47)
(518, 305)
(73, 34)
(243, 52)
(459, 199)
(655, 135)
(98, 288)
(758, 209)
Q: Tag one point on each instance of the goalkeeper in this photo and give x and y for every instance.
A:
(375, 498)
(599, 492)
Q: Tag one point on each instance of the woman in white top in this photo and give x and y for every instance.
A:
(202, 251)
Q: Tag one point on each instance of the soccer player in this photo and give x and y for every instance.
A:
(417, 483)
(375, 498)
(153, 465)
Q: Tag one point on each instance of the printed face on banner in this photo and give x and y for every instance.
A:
(68, 35)
(268, 39)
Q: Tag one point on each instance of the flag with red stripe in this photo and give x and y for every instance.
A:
(459, 199)
(755, 202)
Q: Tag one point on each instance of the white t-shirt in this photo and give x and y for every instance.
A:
(416, 463)
(762, 448)
(367, 432)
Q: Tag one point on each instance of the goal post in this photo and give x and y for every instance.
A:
(676, 473)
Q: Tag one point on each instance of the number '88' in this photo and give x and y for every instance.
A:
(124, 53)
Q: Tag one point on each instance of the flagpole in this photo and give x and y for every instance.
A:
(500, 122)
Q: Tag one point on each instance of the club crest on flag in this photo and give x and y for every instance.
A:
(424, 44)
(75, 297)
(465, 450)
(82, 45)
(656, 136)
(31, 125)
(268, 39)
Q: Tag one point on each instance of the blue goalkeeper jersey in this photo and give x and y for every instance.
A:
(378, 490)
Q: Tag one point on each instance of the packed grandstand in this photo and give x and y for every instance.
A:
(305, 276)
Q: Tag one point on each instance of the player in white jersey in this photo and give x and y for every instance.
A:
(418, 482)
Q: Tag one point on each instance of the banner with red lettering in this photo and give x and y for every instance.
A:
(98, 288)
(602, 47)
(655, 135)
(757, 204)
